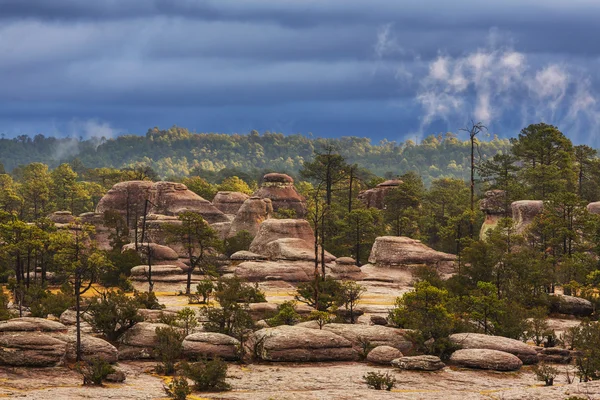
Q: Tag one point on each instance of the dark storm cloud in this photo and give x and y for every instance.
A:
(331, 67)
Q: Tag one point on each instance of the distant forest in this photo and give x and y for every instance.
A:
(179, 152)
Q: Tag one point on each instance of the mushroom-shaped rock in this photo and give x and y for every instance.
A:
(375, 335)
(284, 196)
(526, 353)
(229, 202)
(92, 347)
(31, 324)
(251, 214)
(486, 359)
(392, 251)
(524, 211)
(494, 206)
(419, 363)
(297, 344)
(289, 271)
(211, 345)
(376, 197)
(572, 305)
(139, 341)
(383, 355)
(345, 271)
(31, 349)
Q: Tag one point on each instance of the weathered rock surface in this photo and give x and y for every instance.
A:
(555, 355)
(283, 194)
(298, 344)
(260, 311)
(245, 255)
(289, 271)
(101, 234)
(526, 353)
(345, 270)
(375, 335)
(572, 305)
(91, 347)
(419, 363)
(594, 208)
(251, 215)
(383, 355)
(523, 213)
(211, 345)
(155, 315)
(376, 197)
(229, 202)
(274, 229)
(293, 249)
(486, 359)
(139, 341)
(494, 207)
(158, 252)
(61, 217)
(128, 198)
(394, 251)
(31, 324)
(31, 349)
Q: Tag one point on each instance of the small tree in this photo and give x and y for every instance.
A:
(168, 348)
(348, 296)
(147, 300)
(538, 325)
(286, 314)
(187, 319)
(207, 375)
(204, 289)
(113, 314)
(319, 293)
(178, 388)
(379, 381)
(545, 373)
(95, 371)
(322, 318)
(587, 344)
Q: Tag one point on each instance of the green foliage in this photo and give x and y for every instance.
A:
(113, 313)
(545, 373)
(286, 314)
(348, 296)
(538, 325)
(147, 300)
(178, 388)
(235, 184)
(379, 381)
(319, 293)
(240, 241)
(187, 319)
(168, 348)
(95, 371)
(207, 375)
(4, 300)
(587, 343)
(119, 276)
(44, 302)
(201, 187)
(322, 317)
(204, 289)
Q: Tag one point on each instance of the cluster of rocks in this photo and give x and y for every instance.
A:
(376, 197)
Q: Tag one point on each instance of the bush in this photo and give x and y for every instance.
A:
(322, 317)
(168, 349)
(379, 381)
(187, 319)
(113, 313)
(545, 373)
(365, 347)
(328, 291)
(147, 300)
(207, 375)
(204, 289)
(4, 300)
(178, 388)
(95, 371)
(241, 241)
(118, 276)
(286, 314)
(587, 344)
(43, 302)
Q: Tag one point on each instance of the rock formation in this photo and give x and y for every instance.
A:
(523, 213)
(419, 363)
(400, 251)
(527, 354)
(283, 194)
(485, 359)
(139, 342)
(229, 202)
(572, 305)
(594, 208)
(494, 207)
(376, 197)
(383, 355)
(211, 345)
(252, 213)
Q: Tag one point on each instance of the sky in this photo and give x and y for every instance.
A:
(384, 69)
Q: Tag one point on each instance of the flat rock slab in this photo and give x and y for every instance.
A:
(211, 345)
(526, 353)
(419, 363)
(486, 359)
(31, 349)
(91, 348)
(31, 324)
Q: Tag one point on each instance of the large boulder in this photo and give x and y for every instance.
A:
(283, 194)
(31, 324)
(401, 251)
(127, 198)
(31, 349)
(419, 363)
(298, 344)
(555, 355)
(572, 305)
(376, 197)
(158, 252)
(92, 347)
(289, 271)
(229, 202)
(265, 310)
(374, 335)
(486, 359)
(276, 229)
(293, 249)
(139, 342)
(494, 207)
(211, 345)
(345, 268)
(523, 213)
(527, 354)
(61, 217)
(594, 208)
(102, 234)
(383, 355)
(250, 216)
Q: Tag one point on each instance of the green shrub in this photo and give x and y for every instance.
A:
(113, 313)
(178, 388)
(587, 344)
(365, 347)
(118, 276)
(545, 373)
(379, 381)
(286, 314)
(207, 375)
(147, 300)
(322, 317)
(328, 293)
(95, 371)
(43, 302)
(241, 241)
(204, 289)
(187, 319)
(168, 348)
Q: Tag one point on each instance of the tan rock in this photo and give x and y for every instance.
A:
(159, 252)
(394, 251)
(31, 349)
(376, 197)
(245, 255)
(211, 345)
(31, 324)
(383, 355)
(250, 216)
(486, 359)
(523, 213)
(276, 229)
(572, 305)
(91, 347)
(61, 217)
(526, 353)
(280, 189)
(139, 342)
(229, 202)
(297, 344)
(289, 271)
(419, 363)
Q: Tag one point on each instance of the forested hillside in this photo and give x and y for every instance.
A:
(178, 152)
